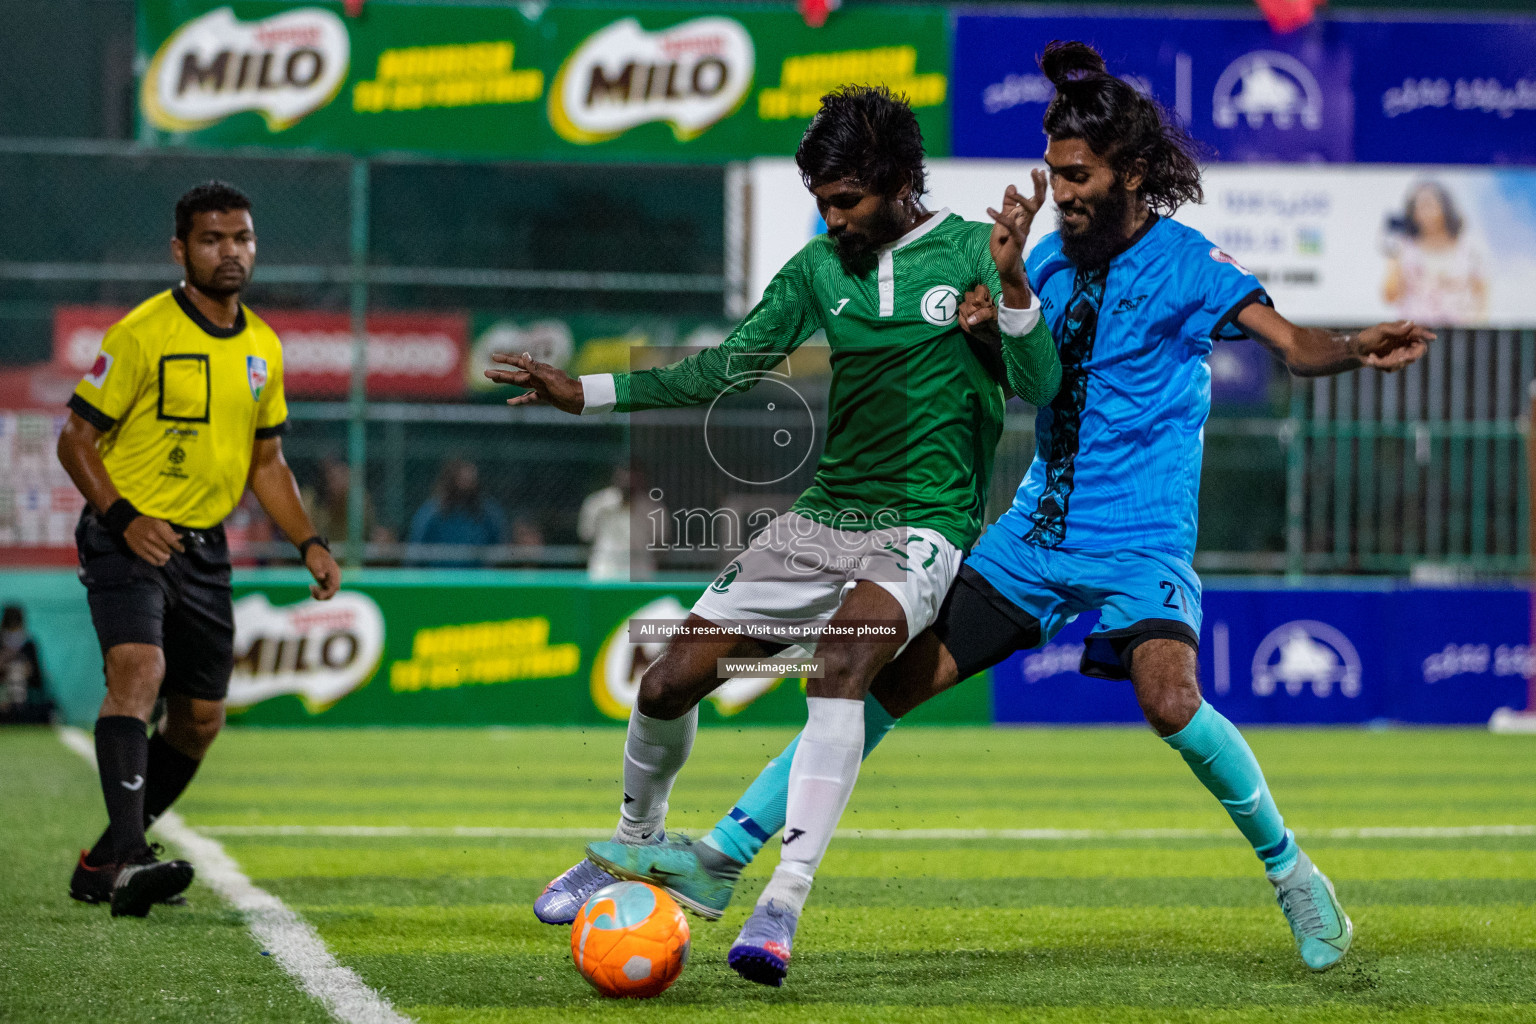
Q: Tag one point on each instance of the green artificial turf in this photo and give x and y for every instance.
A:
(63, 961)
(1105, 928)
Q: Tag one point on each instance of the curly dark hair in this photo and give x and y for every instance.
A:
(206, 198)
(1122, 125)
(867, 133)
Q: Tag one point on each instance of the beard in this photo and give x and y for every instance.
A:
(218, 283)
(1103, 237)
(858, 252)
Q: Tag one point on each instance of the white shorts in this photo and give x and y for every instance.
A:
(796, 572)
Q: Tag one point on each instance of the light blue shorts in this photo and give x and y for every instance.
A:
(1140, 595)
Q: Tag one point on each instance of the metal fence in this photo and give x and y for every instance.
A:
(88, 222)
(1422, 472)
(1415, 471)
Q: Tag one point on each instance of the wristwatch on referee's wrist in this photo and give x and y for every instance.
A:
(305, 545)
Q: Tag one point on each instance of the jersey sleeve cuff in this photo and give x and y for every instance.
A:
(275, 430)
(1018, 322)
(600, 393)
(1227, 328)
(92, 415)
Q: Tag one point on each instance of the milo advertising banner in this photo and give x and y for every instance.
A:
(478, 647)
(524, 81)
(581, 343)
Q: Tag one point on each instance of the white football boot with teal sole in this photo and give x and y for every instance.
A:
(1323, 931)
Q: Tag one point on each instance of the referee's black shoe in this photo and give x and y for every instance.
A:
(145, 881)
(92, 883)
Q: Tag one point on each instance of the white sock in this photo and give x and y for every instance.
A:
(654, 752)
(821, 779)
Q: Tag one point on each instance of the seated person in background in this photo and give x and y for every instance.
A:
(23, 692)
(327, 505)
(528, 536)
(457, 514)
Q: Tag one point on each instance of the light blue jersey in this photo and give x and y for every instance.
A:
(1106, 518)
(1117, 456)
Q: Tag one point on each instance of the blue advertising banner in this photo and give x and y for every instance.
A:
(1279, 656)
(1342, 91)
(1240, 373)
(1444, 93)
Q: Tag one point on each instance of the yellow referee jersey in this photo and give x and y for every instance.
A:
(180, 402)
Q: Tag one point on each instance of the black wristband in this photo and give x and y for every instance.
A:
(118, 515)
(304, 546)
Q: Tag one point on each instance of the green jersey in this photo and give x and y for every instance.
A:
(914, 416)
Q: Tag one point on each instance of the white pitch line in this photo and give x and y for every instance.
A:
(1417, 832)
(291, 940)
(408, 831)
(887, 834)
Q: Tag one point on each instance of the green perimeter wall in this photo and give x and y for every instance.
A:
(512, 666)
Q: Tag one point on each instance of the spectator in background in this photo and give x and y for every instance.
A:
(457, 514)
(1435, 272)
(604, 523)
(328, 505)
(23, 691)
(528, 536)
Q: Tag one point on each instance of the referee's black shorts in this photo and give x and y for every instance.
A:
(182, 607)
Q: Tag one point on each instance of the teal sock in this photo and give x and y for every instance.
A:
(760, 811)
(1221, 759)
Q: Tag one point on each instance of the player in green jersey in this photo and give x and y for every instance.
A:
(898, 494)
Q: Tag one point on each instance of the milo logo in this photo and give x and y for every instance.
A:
(284, 67)
(619, 665)
(690, 76)
(319, 650)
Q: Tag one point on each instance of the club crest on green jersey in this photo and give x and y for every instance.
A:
(725, 579)
(941, 305)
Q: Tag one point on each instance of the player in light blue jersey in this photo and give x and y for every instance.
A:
(1105, 520)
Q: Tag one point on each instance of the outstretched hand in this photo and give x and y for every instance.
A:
(546, 384)
(1392, 346)
(1010, 230)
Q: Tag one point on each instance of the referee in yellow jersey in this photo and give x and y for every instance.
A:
(182, 411)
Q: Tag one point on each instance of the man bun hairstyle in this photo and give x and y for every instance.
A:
(1121, 124)
(209, 197)
(866, 133)
(1063, 62)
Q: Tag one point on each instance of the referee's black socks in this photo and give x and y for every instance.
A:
(122, 761)
(168, 772)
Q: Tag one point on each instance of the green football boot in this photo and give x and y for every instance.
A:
(1323, 931)
(697, 875)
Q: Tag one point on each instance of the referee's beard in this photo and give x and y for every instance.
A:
(222, 281)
